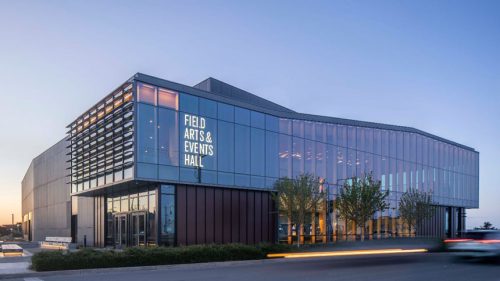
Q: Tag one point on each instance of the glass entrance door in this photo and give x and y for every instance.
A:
(138, 229)
(121, 237)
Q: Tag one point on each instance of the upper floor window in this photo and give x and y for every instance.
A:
(168, 98)
(146, 93)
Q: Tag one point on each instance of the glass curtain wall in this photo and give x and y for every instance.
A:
(251, 149)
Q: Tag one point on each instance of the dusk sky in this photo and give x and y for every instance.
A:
(432, 65)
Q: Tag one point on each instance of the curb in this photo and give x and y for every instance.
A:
(140, 268)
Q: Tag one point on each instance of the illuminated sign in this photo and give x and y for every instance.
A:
(198, 141)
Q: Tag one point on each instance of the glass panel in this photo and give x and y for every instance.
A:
(285, 126)
(242, 180)
(147, 130)
(225, 178)
(146, 93)
(226, 112)
(167, 98)
(242, 154)
(377, 139)
(419, 148)
(298, 156)
(208, 108)
(341, 162)
(167, 219)
(406, 146)
(298, 128)
(188, 174)
(392, 144)
(188, 103)
(242, 116)
(285, 155)
(257, 156)
(143, 202)
(272, 154)
(309, 130)
(257, 119)
(331, 134)
(320, 129)
(258, 182)
(272, 123)
(369, 140)
(331, 163)
(413, 147)
(342, 135)
(385, 142)
(226, 145)
(351, 163)
(168, 137)
(351, 137)
(360, 138)
(208, 176)
(309, 163)
(320, 160)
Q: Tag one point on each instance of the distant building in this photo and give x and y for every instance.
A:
(157, 162)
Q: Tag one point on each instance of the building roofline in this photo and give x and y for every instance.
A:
(287, 114)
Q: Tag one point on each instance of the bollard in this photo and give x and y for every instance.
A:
(85, 241)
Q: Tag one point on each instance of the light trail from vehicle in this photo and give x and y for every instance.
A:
(345, 253)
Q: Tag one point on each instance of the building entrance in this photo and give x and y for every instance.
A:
(130, 229)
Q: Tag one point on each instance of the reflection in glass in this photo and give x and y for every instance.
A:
(297, 156)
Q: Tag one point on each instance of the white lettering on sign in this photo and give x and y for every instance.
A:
(198, 141)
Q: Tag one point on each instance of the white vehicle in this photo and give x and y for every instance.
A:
(476, 244)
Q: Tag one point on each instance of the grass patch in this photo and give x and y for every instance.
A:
(91, 258)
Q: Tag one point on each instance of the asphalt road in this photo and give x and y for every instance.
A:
(421, 267)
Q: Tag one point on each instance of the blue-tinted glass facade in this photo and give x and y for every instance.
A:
(252, 149)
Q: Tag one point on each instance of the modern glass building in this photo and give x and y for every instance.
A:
(157, 162)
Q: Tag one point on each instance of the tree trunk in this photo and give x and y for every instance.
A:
(299, 232)
(355, 228)
(289, 231)
(363, 232)
(313, 227)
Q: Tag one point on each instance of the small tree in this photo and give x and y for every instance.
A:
(487, 225)
(286, 198)
(414, 207)
(297, 198)
(359, 199)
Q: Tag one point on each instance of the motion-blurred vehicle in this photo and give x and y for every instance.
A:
(478, 244)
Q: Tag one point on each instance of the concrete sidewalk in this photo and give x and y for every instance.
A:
(14, 268)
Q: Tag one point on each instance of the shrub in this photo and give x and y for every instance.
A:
(91, 258)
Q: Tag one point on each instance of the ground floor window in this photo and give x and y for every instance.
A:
(167, 215)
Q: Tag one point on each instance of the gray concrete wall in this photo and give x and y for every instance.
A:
(46, 194)
(85, 225)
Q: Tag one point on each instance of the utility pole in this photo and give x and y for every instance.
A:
(12, 227)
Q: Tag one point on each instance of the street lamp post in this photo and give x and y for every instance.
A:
(199, 166)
